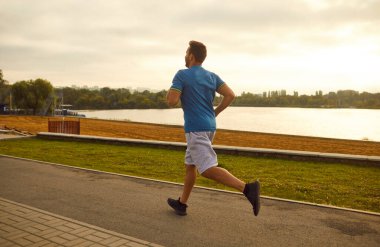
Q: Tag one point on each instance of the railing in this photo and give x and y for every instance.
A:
(64, 126)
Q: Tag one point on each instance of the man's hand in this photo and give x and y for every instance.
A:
(173, 97)
(228, 97)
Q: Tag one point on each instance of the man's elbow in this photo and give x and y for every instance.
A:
(231, 95)
(229, 98)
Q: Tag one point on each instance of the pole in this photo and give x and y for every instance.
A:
(63, 116)
(10, 101)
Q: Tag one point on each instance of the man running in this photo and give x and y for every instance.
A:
(196, 88)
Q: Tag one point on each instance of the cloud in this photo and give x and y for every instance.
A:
(125, 41)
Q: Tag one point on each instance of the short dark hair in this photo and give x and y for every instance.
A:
(199, 50)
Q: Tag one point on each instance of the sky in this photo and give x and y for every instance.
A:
(253, 45)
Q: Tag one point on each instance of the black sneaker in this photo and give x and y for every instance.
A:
(252, 192)
(179, 207)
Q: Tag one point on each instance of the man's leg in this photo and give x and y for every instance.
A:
(191, 175)
(251, 190)
(180, 205)
(221, 175)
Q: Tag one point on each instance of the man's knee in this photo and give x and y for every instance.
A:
(190, 167)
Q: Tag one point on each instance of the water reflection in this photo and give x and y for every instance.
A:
(354, 124)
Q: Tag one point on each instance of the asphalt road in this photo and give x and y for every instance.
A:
(138, 208)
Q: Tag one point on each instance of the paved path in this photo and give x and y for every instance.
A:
(138, 208)
(21, 225)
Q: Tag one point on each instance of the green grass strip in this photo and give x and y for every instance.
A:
(351, 186)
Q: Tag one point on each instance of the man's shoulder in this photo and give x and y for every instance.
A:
(188, 70)
(183, 71)
(206, 71)
(184, 74)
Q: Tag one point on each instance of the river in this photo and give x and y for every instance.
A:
(355, 124)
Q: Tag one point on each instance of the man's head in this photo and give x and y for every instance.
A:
(195, 54)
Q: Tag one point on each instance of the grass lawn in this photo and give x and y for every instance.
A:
(352, 186)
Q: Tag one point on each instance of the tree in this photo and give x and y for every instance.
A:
(41, 91)
(35, 95)
(21, 95)
(2, 81)
(5, 89)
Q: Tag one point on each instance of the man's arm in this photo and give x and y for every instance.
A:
(228, 97)
(173, 97)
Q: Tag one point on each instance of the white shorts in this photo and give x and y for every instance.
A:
(199, 150)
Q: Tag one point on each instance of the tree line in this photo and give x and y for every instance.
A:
(339, 99)
(39, 97)
(107, 98)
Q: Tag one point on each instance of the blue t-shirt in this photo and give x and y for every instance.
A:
(197, 87)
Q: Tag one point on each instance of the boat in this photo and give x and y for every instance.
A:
(64, 110)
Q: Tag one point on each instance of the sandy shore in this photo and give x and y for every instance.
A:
(123, 129)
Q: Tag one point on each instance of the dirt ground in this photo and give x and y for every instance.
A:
(123, 129)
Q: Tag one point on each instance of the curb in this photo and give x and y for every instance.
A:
(16, 137)
(198, 187)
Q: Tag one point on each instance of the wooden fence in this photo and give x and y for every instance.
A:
(64, 126)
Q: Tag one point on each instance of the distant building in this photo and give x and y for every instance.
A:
(142, 89)
(95, 88)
